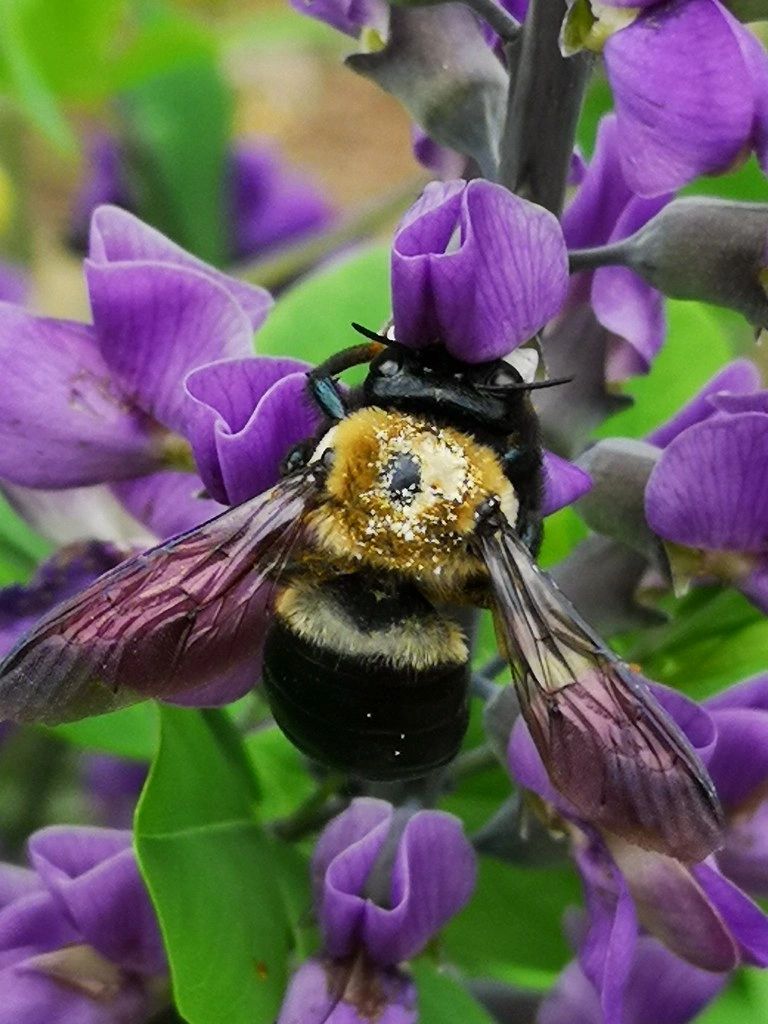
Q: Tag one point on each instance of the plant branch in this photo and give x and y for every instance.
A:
(318, 809)
(503, 24)
(546, 94)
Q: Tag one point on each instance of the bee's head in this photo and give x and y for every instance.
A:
(431, 382)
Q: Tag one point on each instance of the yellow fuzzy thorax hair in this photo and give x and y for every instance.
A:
(425, 537)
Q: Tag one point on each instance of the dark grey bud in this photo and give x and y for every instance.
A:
(505, 1003)
(499, 716)
(615, 506)
(602, 577)
(437, 64)
(516, 836)
(709, 250)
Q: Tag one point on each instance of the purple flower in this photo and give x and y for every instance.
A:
(476, 269)
(385, 882)
(349, 16)
(659, 987)
(690, 86)
(105, 403)
(268, 203)
(708, 492)
(66, 573)
(604, 210)
(739, 769)
(113, 785)
(698, 914)
(78, 934)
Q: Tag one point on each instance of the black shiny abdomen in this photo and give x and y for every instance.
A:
(360, 715)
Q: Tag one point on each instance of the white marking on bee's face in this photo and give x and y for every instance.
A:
(325, 442)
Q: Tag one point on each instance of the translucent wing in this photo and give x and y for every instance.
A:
(608, 746)
(167, 621)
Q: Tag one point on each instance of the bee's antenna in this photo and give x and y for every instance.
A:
(371, 335)
(535, 385)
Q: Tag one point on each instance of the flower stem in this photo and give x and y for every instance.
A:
(493, 14)
(601, 256)
(318, 809)
(545, 98)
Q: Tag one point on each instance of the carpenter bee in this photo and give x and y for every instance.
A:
(420, 492)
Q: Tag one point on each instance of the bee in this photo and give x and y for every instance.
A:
(420, 492)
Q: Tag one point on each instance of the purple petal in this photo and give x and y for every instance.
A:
(740, 377)
(78, 514)
(105, 183)
(432, 879)
(744, 857)
(745, 920)
(324, 993)
(155, 323)
(443, 162)
(271, 203)
(93, 873)
(167, 503)
(343, 859)
(709, 489)
(683, 106)
(526, 766)
(674, 907)
(591, 216)
(113, 785)
(348, 16)
(739, 765)
(62, 423)
(29, 997)
(33, 923)
(502, 283)
(16, 883)
(751, 693)
(117, 237)
(606, 955)
(695, 720)
(573, 1000)
(68, 572)
(754, 586)
(14, 283)
(664, 989)
(245, 415)
(234, 684)
(625, 304)
(564, 483)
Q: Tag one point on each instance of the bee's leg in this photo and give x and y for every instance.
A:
(328, 396)
(322, 383)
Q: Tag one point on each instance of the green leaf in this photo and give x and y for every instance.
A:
(695, 349)
(511, 929)
(285, 782)
(131, 732)
(744, 999)
(228, 896)
(177, 127)
(442, 999)
(73, 43)
(20, 547)
(25, 80)
(312, 320)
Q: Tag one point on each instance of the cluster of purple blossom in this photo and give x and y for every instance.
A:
(157, 415)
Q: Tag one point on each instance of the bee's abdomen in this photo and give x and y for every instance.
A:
(369, 682)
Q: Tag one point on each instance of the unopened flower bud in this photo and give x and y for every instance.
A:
(710, 250)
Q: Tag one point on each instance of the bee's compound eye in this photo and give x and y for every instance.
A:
(388, 368)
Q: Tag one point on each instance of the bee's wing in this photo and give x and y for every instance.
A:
(607, 745)
(163, 622)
